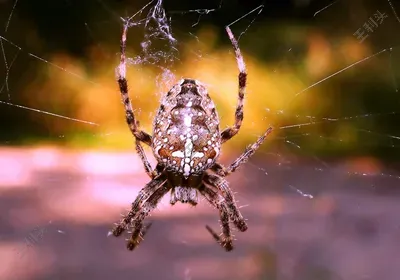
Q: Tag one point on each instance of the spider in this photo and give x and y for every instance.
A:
(186, 142)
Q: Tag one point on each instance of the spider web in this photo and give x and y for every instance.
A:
(324, 155)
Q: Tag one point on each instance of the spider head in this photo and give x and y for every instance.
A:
(192, 181)
(184, 189)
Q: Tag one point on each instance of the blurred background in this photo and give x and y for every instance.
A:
(320, 195)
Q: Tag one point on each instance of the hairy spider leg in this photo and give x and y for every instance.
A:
(140, 234)
(146, 164)
(139, 230)
(143, 195)
(229, 132)
(250, 150)
(218, 202)
(132, 122)
(222, 186)
(123, 87)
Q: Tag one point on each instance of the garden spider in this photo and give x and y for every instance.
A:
(186, 142)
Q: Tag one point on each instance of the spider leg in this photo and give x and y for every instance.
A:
(143, 195)
(222, 185)
(250, 150)
(229, 132)
(139, 232)
(132, 122)
(218, 201)
(137, 223)
(146, 164)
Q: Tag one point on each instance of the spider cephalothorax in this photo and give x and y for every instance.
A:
(186, 142)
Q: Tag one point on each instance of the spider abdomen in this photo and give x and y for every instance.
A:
(186, 129)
